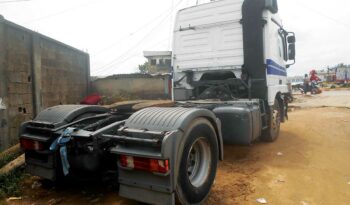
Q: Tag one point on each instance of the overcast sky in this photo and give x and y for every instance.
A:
(115, 32)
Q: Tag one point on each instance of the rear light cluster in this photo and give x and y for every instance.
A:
(145, 164)
(28, 144)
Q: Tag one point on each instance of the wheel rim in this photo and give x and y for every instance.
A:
(198, 162)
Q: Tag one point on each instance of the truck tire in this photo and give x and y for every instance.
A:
(272, 132)
(198, 163)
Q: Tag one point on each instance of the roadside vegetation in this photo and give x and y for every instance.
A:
(10, 183)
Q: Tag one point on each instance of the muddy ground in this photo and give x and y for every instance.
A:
(308, 164)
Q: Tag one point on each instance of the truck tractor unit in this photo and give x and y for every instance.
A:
(229, 87)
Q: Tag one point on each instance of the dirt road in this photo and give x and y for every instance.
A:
(340, 98)
(308, 164)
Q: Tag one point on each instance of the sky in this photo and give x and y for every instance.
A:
(115, 32)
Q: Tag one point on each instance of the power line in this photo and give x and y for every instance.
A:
(108, 65)
(324, 15)
(134, 47)
(58, 13)
(128, 57)
(111, 64)
(131, 49)
(171, 23)
(132, 56)
(12, 1)
(132, 33)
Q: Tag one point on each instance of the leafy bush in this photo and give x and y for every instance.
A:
(10, 184)
(6, 159)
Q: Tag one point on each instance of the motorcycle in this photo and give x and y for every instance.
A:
(313, 88)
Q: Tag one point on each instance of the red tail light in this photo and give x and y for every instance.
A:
(145, 164)
(28, 144)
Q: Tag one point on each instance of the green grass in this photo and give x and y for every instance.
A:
(10, 184)
(7, 159)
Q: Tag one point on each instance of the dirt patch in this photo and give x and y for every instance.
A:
(339, 99)
(234, 176)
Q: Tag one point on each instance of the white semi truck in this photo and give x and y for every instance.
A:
(229, 86)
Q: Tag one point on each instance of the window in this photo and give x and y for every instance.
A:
(161, 62)
(153, 61)
(168, 62)
(282, 44)
(280, 47)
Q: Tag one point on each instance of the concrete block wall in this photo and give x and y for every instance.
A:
(4, 130)
(63, 75)
(36, 72)
(19, 83)
(138, 86)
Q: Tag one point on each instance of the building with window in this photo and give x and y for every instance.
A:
(159, 60)
(343, 74)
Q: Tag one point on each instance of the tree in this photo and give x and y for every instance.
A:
(147, 68)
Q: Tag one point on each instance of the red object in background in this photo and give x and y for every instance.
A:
(313, 76)
(92, 99)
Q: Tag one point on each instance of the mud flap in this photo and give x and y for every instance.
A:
(146, 195)
(283, 100)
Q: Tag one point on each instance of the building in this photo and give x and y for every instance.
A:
(343, 74)
(326, 75)
(158, 61)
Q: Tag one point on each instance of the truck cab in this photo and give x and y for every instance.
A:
(231, 39)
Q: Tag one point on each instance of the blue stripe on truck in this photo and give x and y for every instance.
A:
(274, 69)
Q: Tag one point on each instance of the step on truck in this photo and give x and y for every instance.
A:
(229, 87)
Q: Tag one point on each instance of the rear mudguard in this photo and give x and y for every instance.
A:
(171, 119)
(173, 122)
(45, 128)
(62, 114)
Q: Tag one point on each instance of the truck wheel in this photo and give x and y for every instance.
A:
(198, 163)
(272, 132)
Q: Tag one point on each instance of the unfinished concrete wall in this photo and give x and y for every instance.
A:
(36, 72)
(3, 89)
(19, 83)
(133, 86)
(63, 74)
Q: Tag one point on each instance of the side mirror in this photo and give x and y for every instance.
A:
(291, 39)
(291, 51)
(271, 5)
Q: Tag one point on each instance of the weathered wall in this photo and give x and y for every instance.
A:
(36, 72)
(135, 86)
(19, 85)
(63, 73)
(3, 90)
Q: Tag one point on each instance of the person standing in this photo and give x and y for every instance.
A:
(306, 83)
